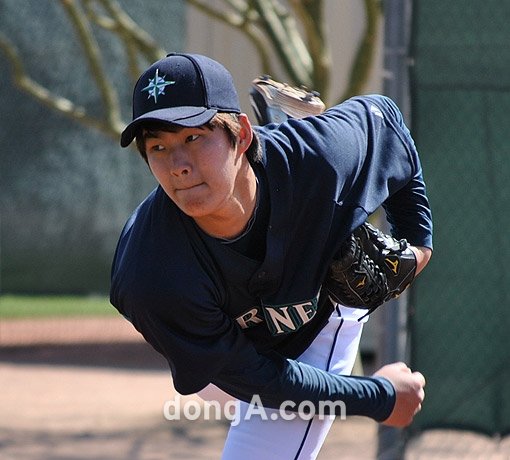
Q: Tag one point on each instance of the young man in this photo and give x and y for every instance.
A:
(221, 267)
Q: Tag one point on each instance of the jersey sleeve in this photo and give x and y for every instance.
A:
(393, 158)
(363, 148)
(212, 349)
(407, 208)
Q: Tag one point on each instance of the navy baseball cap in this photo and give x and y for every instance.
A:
(181, 89)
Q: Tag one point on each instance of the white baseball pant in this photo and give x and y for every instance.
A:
(266, 436)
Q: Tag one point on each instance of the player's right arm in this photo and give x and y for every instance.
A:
(222, 355)
(393, 395)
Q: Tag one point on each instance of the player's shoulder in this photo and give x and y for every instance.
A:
(155, 242)
(366, 102)
(371, 105)
(141, 210)
(156, 203)
(153, 226)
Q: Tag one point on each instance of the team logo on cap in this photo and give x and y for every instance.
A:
(156, 86)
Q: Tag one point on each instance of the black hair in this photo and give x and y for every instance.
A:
(227, 121)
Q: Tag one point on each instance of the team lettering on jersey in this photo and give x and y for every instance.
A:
(280, 319)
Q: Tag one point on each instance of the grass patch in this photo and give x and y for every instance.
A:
(19, 306)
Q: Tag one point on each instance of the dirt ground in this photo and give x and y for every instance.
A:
(91, 389)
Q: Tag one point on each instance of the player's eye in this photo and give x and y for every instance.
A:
(155, 148)
(192, 137)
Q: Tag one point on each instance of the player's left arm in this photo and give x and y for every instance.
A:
(407, 207)
(371, 267)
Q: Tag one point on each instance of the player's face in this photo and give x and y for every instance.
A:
(200, 170)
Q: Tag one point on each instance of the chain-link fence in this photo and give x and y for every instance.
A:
(461, 122)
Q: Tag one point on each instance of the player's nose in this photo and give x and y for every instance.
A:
(179, 162)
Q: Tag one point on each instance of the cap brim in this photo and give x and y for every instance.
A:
(188, 117)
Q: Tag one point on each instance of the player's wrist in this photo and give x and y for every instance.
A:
(422, 255)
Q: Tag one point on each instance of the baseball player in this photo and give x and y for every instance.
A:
(232, 267)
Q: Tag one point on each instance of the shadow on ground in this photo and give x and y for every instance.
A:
(126, 355)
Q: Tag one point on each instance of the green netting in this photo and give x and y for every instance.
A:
(65, 189)
(461, 121)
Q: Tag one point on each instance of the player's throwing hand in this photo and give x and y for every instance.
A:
(409, 393)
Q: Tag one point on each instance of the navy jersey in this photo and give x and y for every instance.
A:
(237, 319)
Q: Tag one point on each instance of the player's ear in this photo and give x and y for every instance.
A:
(245, 133)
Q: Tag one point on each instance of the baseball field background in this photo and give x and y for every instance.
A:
(76, 380)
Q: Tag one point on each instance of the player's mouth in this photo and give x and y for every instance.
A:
(190, 187)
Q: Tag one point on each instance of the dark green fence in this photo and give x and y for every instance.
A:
(460, 320)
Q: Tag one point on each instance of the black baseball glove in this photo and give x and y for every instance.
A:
(369, 269)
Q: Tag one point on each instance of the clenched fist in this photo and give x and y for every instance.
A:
(409, 393)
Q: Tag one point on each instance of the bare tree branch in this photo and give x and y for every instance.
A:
(135, 40)
(101, 20)
(259, 40)
(234, 19)
(93, 56)
(270, 26)
(288, 44)
(311, 16)
(131, 31)
(360, 70)
(244, 19)
(113, 26)
(241, 6)
(23, 81)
